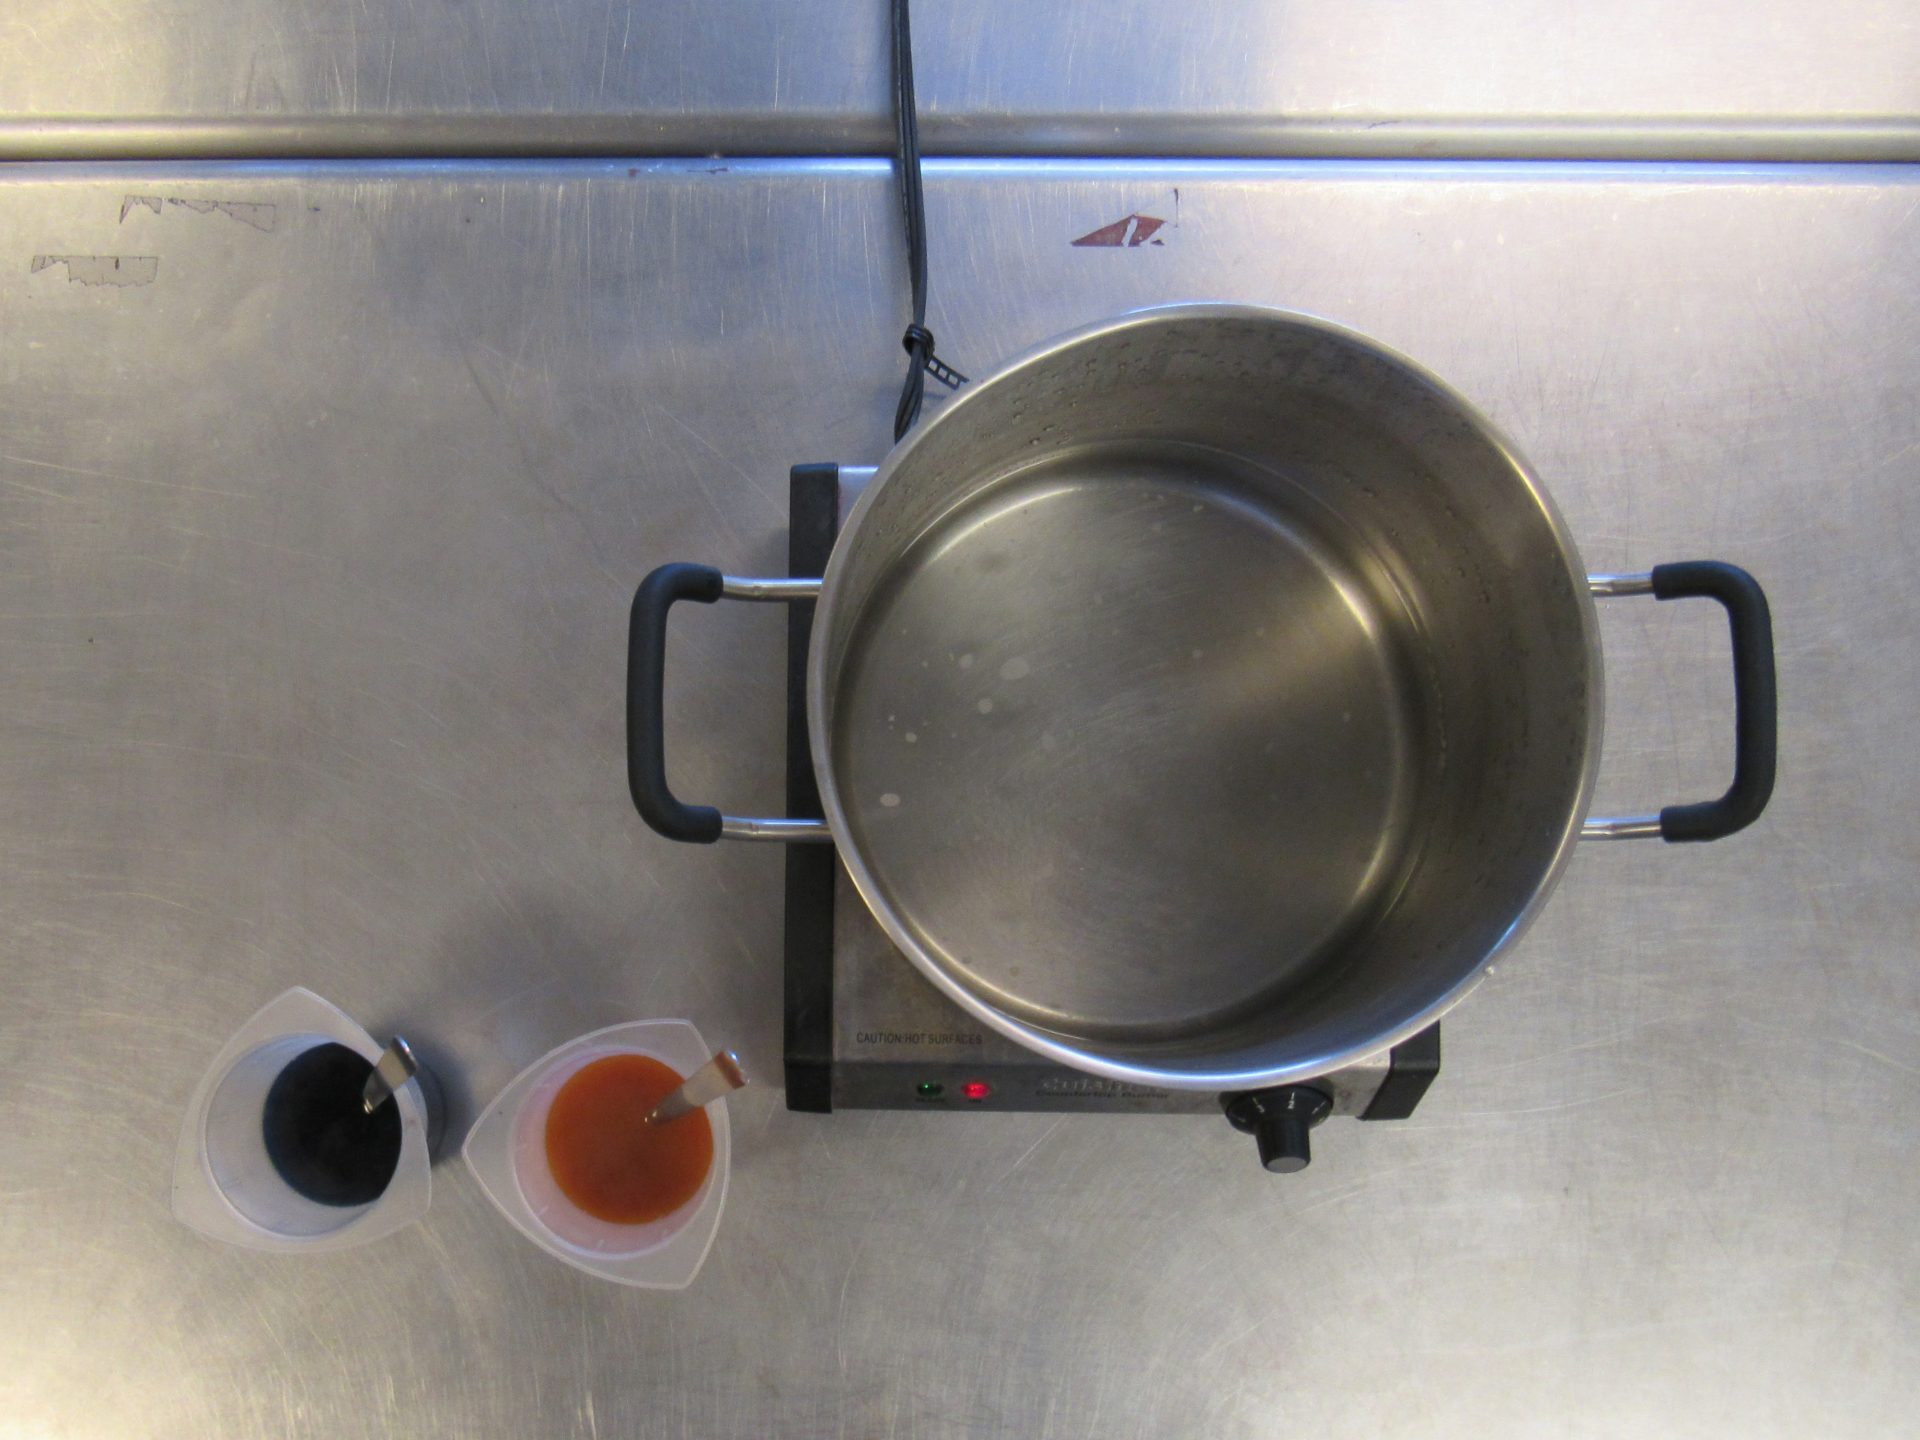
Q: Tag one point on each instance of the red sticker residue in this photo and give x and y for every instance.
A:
(1134, 230)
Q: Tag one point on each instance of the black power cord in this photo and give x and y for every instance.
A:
(918, 341)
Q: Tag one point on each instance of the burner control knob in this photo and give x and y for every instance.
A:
(1279, 1121)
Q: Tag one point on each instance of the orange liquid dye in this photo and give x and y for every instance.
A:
(607, 1159)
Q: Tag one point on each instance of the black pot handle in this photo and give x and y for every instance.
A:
(647, 702)
(1756, 711)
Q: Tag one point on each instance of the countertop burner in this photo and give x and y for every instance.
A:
(866, 1031)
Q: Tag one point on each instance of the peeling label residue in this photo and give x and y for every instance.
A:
(260, 217)
(247, 212)
(119, 270)
(1132, 230)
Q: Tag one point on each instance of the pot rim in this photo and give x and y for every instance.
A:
(1068, 1051)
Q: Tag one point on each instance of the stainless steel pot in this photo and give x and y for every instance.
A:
(1205, 698)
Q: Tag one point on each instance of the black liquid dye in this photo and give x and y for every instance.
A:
(320, 1139)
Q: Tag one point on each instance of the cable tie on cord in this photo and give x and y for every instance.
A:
(918, 342)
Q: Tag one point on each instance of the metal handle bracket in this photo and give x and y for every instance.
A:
(1755, 702)
(646, 705)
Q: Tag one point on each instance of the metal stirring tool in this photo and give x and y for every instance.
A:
(393, 1069)
(719, 1076)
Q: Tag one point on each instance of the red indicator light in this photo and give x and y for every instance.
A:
(976, 1089)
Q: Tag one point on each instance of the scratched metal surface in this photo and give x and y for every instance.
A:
(319, 514)
(1750, 79)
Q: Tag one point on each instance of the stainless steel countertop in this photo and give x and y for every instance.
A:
(318, 524)
(1735, 79)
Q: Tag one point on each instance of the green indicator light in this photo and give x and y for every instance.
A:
(930, 1089)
